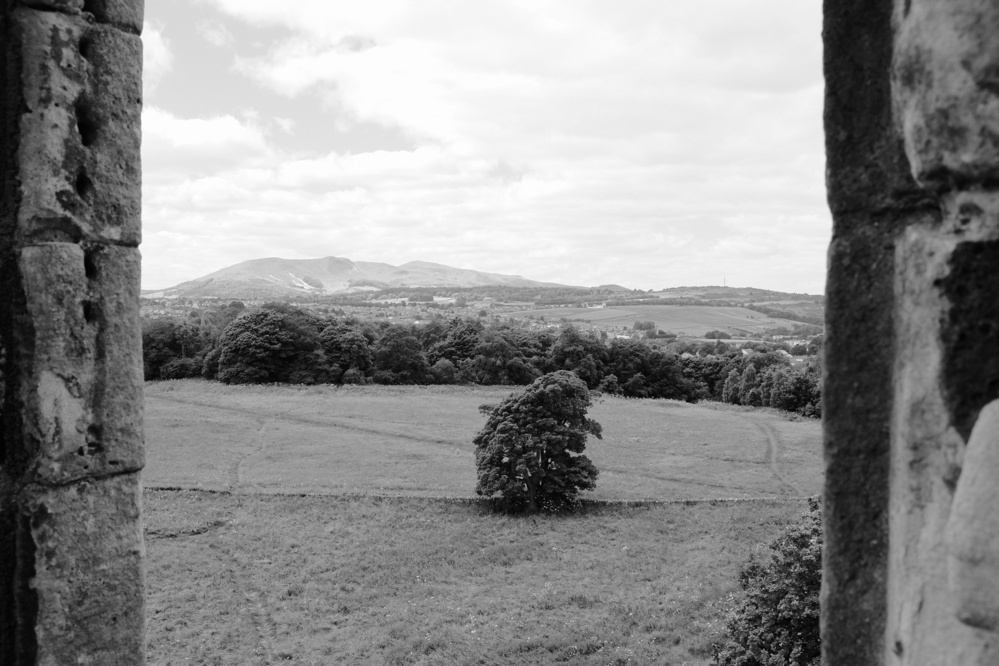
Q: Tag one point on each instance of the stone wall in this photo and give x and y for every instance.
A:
(71, 577)
(912, 366)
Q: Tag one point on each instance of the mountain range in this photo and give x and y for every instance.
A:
(274, 278)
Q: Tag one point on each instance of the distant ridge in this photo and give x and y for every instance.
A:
(274, 277)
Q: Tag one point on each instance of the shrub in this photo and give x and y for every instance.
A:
(777, 624)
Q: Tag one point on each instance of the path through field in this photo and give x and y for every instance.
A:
(416, 441)
(774, 451)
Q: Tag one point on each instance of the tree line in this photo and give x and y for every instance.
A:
(283, 344)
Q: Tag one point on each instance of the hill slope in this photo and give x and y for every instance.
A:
(275, 277)
(692, 320)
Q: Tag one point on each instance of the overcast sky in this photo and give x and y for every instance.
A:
(648, 143)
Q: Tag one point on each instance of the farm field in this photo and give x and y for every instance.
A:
(417, 441)
(303, 524)
(692, 320)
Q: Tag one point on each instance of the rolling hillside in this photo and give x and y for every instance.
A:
(692, 320)
(274, 277)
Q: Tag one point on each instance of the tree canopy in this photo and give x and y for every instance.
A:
(276, 342)
(530, 452)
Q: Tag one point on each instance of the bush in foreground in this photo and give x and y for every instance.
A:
(778, 622)
(529, 453)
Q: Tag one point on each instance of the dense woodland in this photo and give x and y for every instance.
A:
(281, 343)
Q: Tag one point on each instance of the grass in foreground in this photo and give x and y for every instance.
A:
(254, 579)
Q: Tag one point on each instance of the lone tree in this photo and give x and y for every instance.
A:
(530, 451)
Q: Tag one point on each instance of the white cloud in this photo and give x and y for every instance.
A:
(172, 145)
(649, 143)
(215, 33)
(157, 58)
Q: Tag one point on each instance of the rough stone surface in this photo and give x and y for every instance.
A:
(946, 79)
(971, 372)
(109, 115)
(911, 566)
(117, 390)
(83, 180)
(927, 457)
(54, 76)
(68, 6)
(71, 581)
(125, 15)
(84, 419)
(873, 198)
(87, 540)
(973, 527)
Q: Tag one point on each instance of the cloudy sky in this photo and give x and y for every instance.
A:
(648, 143)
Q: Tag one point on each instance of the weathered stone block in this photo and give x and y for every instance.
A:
(80, 136)
(109, 116)
(124, 14)
(55, 286)
(946, 87)
(973, 527)
(88, 573)
(114, 276)
(78, 420)
(50, 155)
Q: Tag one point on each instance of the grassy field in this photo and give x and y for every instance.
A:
(693, 320)
(289, 547)
(417, 441)
(263, 579)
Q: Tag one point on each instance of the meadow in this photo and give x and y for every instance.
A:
(417, 441)
(691, 320)
(305, 524)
